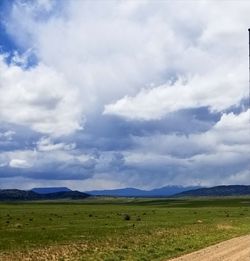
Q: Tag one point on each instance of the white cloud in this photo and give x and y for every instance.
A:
(217, 90)
(19, 163)
(105, 63)
(45, 144)
(39, 98)
(94, 63)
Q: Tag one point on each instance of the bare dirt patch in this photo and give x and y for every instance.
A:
(225, 226)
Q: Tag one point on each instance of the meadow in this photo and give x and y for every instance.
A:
(118, 229)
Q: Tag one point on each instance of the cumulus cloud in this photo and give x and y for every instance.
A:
(216, 92)
(39, 98)
(184, 56)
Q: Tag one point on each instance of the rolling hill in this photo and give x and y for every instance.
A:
(230, 190)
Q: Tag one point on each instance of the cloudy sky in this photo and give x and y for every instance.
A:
(112, 94)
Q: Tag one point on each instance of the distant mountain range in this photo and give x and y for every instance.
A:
(231, 190)
(16, 194)
(54, 193)
(50, 190)
(132, 192)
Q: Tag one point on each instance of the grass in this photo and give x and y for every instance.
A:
(119, 229)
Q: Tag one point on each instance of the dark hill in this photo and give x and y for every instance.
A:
(16, 194)
(65, 195)
(231, 190)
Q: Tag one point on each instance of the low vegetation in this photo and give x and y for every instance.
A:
(118, 229)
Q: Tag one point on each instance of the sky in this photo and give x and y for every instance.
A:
(113, 94)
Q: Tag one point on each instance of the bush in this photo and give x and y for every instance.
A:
(126, 217)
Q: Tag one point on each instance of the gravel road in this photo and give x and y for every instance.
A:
(236, 249)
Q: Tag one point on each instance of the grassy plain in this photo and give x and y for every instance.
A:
(118, 229)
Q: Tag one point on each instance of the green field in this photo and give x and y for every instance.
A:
(119, 229)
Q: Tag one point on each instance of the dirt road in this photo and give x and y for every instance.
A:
(236, 249)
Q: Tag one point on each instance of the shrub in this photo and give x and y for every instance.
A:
(126, 217)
